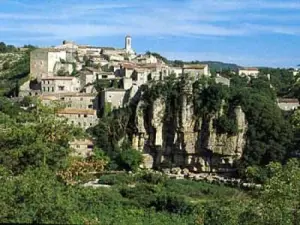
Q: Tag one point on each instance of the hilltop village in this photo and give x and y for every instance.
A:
(88, 80)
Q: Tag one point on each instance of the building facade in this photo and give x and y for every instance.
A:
(58, 84)
(83, 118)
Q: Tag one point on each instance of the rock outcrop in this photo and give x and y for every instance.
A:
(186, 140)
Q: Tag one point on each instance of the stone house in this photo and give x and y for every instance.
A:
(145, 59)
(247, 71)
(83, 118)
(196, 70)
(59, 84)
(82, 148)
(112, 97)
(72, 100)
(43, 60)
(288, 104)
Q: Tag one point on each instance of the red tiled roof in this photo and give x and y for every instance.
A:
(249, 68)
(288, 100)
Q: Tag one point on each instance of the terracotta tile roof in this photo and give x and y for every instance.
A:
(288, 100)
(128, 65)
(250, 69)
(76, 111)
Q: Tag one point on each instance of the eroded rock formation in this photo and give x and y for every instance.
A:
(187, 140)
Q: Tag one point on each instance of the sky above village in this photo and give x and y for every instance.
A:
(246, 32)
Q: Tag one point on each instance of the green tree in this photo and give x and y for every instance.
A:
(130, 159)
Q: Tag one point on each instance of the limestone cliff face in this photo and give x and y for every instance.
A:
(187, 140)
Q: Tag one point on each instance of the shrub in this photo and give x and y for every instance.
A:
(152, 178)
(142, 194)
(130, 159)
(6, 66)
(116, 179)
(172, 203)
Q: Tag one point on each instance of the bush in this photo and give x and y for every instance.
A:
(142, 194)
(6, 66)
(152, 178)
(116, 179)
(172, 203)
(130, 159)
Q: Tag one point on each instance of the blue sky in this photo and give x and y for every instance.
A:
(246, 32)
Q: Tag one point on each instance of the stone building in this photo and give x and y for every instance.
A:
(72, 100)
(288, 104)
(83, 118)
(196, 70)
(82, 148)
(112, 97)
(247, 71)
(145, 59)
(43, 60)
(59, 84)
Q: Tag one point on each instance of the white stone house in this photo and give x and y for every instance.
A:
(196, 70)
(83, 118)
(60, 84)
(113, 97)
(145, 59)
(82, 148)
(247, 71)
(288, 104)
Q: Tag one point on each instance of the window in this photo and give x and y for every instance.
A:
(48, 82)
(61, 88)
(44, 89)
(78, 115)
(77, 146)
(90, 146)
(48, 89)
(85, 115)
(91, 124)
(52, 89)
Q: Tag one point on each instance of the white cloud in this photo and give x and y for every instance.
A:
(217, 18)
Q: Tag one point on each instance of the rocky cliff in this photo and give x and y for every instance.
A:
(185, 139)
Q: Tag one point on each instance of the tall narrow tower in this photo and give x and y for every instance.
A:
(128, 43)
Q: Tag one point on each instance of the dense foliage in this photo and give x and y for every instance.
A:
(15, 68)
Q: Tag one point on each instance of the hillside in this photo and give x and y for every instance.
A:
(217, 66)
(14, 70)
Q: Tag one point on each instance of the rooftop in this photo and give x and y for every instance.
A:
(288, 100)
(48, 50)
(249, 68)
(77, 111)
(195, 66)
(58, 78)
